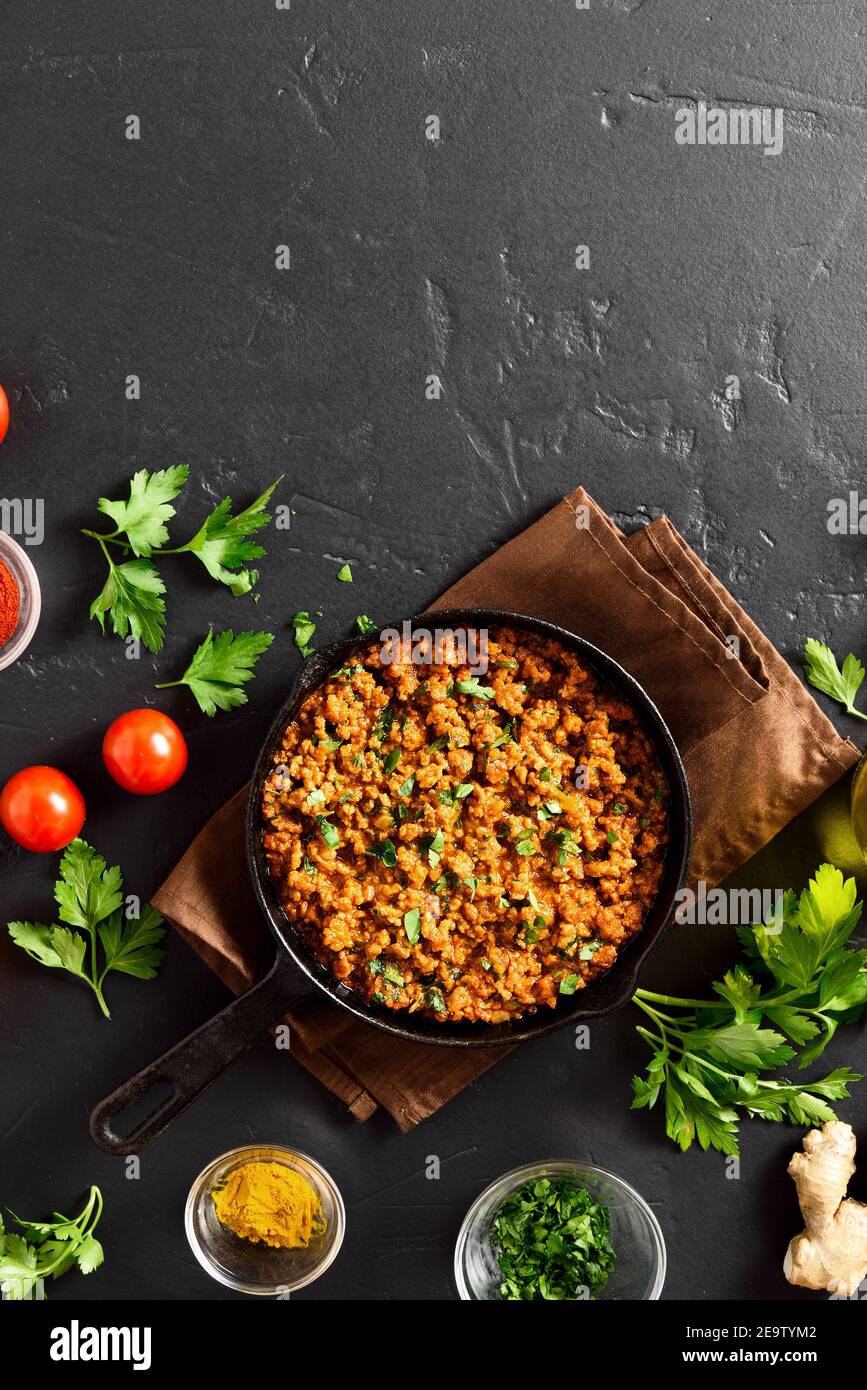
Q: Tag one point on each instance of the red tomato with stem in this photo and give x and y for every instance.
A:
(42, 809)
(145, 752)
(4, 414)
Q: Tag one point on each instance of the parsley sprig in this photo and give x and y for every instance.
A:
(710, 1056)
(89, 896)
(48, 1249)
(822, 671)
(132, 597)
(221, 667)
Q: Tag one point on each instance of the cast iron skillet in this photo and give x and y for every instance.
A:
(199, 1059)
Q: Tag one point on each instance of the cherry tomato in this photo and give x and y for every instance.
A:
(4, 414)
(145, 752)
(41, 809)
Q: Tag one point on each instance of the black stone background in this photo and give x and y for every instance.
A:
(261, 127)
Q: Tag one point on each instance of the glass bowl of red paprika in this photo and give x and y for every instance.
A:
(20, 600)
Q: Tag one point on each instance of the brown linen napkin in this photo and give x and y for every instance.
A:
(756, 746)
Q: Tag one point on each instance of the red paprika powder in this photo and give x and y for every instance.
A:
(10, 603)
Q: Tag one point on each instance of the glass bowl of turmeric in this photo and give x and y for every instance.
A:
(265, 1220)
(20, 600)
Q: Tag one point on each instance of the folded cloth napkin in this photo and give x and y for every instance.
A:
(756, 746)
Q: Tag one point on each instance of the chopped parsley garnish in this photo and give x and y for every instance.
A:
(329, 832)
(589, 949)
(304, 629)
(383, 723)
(387, 971)
(412, 925)
(364, 624)
(448, 797)
(612, 837)
(506, 663)
(545, 774)
(473, 687)
(504, 737)
(552, 1242)
(618, 808)
(316, 797)
(385, 852)
(569, 984)
(435, 1000)
(392, 760)
(309, 867)
(432, 846)
(526, 844)
(472, 884)
(405, 788)
(438, 743)
(344, 574)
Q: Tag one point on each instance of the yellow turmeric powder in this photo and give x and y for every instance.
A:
(271, 1204)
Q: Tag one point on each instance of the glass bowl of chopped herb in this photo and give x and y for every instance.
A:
(264, 1219)
(560, 1231)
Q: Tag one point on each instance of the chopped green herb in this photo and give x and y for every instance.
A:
(344, 574)
(435, 1000)
(589, 949)
(432, 846)
(391, 761)
(330, 834)
(658, 794)
(552, 1242)
(472, 884)
(405, 788)
(473, 687)
(612, 837)
(412, 925)
(545, 774)
(316, 797)
(438, 743)
(569, 984)
(385, 852)
(364, 624)
(309, 867)
(506, 663)
(304, 629)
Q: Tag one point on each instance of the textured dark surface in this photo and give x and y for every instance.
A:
(156, 257)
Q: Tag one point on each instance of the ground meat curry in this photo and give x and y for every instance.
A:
(462, 846)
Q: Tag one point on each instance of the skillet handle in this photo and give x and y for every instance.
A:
(192, 1064)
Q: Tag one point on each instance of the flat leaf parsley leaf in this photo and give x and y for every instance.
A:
(221, 667)
(89, 896)
(822, 671)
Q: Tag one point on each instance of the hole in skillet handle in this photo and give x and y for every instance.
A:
(189, 1067)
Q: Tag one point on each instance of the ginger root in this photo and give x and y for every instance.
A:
(831, 1251)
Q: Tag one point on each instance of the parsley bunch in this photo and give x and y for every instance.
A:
(48, 1249)
(552, 1242)
(132, 596)
(90, 896)
(710, 1056)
